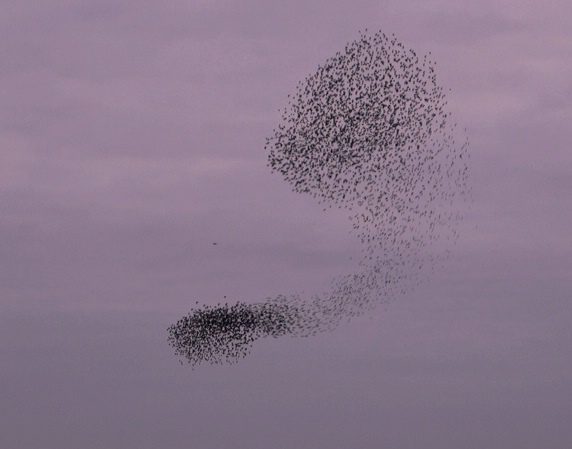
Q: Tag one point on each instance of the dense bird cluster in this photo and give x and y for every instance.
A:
(368, 132)
(224, 333)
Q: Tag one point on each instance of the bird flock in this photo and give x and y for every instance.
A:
(368, 132)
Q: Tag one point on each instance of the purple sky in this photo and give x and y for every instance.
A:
(131, 138)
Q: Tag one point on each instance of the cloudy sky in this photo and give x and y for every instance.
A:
(131, 139)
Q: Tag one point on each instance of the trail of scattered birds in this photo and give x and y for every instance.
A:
(368, 132)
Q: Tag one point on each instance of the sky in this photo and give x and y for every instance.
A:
(132, 137)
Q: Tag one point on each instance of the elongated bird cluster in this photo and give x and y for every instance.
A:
(225, 332)
(368, 132)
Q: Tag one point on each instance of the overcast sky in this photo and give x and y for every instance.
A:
(132, 138)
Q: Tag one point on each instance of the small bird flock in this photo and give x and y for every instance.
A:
(367, 132)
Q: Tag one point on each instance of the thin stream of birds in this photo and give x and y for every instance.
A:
(368, 132)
